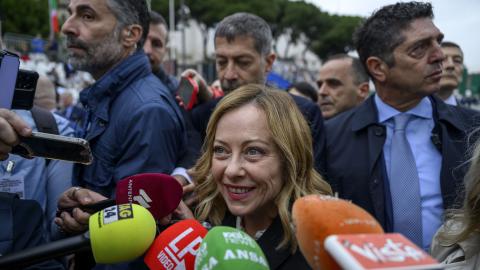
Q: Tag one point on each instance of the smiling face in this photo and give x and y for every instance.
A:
(93, 41)
(246, 163)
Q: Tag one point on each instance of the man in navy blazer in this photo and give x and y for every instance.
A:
(400, 48)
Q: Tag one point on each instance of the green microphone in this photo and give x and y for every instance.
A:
(226, 248)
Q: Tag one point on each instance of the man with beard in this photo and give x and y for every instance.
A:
(243, 52)
(155, 48)
(133, 124)
(401, 154)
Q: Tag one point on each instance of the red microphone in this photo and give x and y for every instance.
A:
(176, 247)
(157, 192)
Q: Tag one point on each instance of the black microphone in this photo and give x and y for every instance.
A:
(437, 142)
(46, 252)
(117, 234)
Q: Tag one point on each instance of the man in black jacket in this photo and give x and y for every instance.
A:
(243, 55)
(400, 47)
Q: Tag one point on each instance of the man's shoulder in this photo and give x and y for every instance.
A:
(470, 114)
(462, 117)
(149, 100)
(310, 110)
(146, 91)
(205, 109)
(303, 103)
(341, 121)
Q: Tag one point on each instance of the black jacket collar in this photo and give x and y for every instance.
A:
(268, 242)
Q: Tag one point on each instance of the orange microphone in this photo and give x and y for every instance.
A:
(317, 216)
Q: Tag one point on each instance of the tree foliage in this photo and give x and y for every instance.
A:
(324, 34)
(321, 32)
(25, 17)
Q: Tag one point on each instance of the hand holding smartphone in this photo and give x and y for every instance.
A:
(188, 92)
(52, 146)
(9, 64)
(17, 86)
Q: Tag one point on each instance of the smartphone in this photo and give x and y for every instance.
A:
(9, 64)
(53, 146)
(25, 90)
(188, 92)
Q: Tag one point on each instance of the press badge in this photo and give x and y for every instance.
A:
(12, 183)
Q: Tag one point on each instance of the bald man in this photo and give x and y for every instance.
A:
(342, 84)
(452, 72)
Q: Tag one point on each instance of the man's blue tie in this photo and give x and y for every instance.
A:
(404, 184)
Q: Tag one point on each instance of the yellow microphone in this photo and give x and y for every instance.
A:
(116, 234)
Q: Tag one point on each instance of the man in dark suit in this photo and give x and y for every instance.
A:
(405, 177)
(21, 227)
(243, 52)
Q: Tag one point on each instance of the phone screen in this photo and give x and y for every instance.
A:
(187, 91)
(8, 76)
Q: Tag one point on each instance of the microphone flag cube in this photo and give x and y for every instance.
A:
(157, 192)
(176, 246)
(121, 233)
(228, 248)
(378, 251)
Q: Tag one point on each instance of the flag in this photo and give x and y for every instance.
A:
(53, 16)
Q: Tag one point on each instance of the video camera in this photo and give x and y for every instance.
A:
(17, 86)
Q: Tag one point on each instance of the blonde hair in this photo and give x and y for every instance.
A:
(461, 223)
(291, 135)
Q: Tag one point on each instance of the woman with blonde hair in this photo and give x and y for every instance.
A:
(457, 242)
(257, 160)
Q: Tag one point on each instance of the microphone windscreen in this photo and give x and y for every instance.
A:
(121, 233)
(226, 248)
(176, 247)
(317, 216)
(159, 193)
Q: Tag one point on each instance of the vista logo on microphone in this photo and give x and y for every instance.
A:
(143, 199)
(378, 251)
